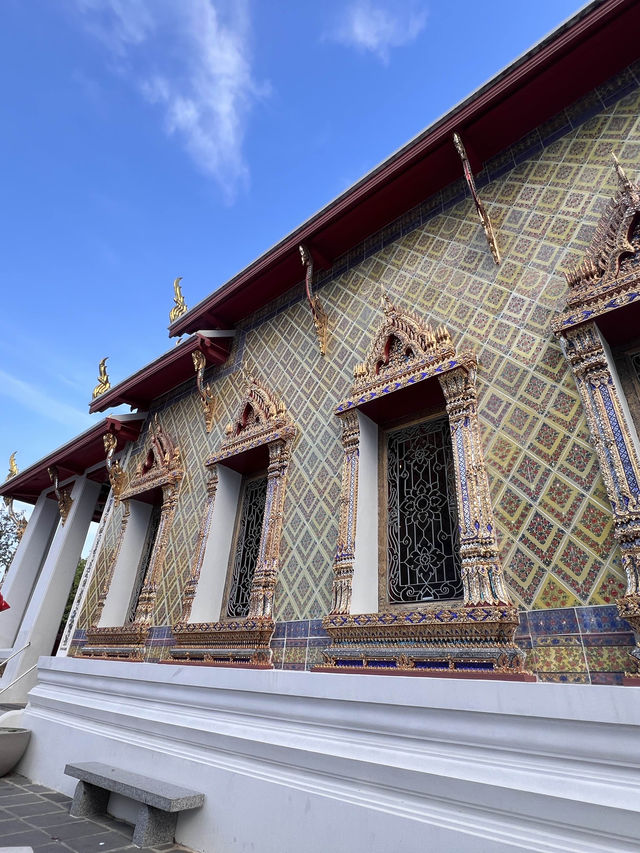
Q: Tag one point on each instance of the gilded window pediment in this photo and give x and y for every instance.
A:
(607, 277)
(261, 418)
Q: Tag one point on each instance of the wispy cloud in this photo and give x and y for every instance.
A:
(31, 397)
(378, 26)
(191, 58)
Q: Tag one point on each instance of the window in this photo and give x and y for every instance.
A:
(127, 600)
(227, 614)
(433, 595)
(422, 547)
(244, 557)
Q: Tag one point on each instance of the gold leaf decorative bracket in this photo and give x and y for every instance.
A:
(206, 395)
(483, 216)
(319, 316)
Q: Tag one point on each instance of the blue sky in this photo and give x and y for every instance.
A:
(146, 139)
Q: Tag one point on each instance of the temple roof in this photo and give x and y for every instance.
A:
(73, 458)
(170, 369)
(600, 40)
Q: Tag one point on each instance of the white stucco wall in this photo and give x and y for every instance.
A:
(310, 762)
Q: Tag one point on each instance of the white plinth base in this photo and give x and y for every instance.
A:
(312, 763)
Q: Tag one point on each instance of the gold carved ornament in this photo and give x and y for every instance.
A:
(608, 279)
(63, 496)
(18, 519)
(114, 469)
(261, 420)
(103, 380)
(206, 394)
(483, 216)
(180, 306)
(317, 312)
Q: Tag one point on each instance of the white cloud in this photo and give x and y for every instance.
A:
(192, 58)
(31, 397)
(379, 25)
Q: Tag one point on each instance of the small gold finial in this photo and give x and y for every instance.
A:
(103, 380)
(13, 466)
(623, 180)
(180, 307)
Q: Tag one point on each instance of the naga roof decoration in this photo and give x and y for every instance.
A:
(404, 351)
(609, 275)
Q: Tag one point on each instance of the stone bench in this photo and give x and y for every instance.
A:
(159, 801)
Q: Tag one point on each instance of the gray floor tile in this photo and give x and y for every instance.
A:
(57, 798)
(75, 828)
(106, 841)
(28, 838)
(41, 807)
(51, 820)
(17, 799)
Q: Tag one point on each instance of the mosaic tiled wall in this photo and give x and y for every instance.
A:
(544, 196)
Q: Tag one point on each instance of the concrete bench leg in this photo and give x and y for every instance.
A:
(89, 799)
(153, 826)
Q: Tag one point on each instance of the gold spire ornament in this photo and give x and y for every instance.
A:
(103, 380)
(13, 466)
(180, 306)
(206, 395)
(19, 520)
(319, 316)
(483, 216)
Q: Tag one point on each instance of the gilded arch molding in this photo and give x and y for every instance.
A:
(608, 280)
(161, 468)
(261, 421)
(476, 633)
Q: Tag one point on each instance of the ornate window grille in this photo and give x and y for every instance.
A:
(423, 562)
(247, 546)
(145, 560)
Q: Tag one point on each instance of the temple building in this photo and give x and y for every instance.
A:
(367, 567)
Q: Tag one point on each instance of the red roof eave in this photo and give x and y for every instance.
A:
(163, 374)
(72, 459)
(581, 54)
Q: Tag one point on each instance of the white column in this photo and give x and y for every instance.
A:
(23, 572)
(42, 618)
(364, 593)
(83, 586)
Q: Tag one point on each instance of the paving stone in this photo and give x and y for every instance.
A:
(12, 825)
(39, 789)
(41, 807)
(75, 828)
(51, 818)
(28, 838)
(57, 798)
(17, 799)
(52, 847)
(105, 841)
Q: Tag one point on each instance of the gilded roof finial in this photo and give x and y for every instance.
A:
(623, 180)
(180, 307)
(103, 380)
(13, 466)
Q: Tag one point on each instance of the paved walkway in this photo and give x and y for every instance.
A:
(34, 816)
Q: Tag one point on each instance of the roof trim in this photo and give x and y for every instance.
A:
(587, 23)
